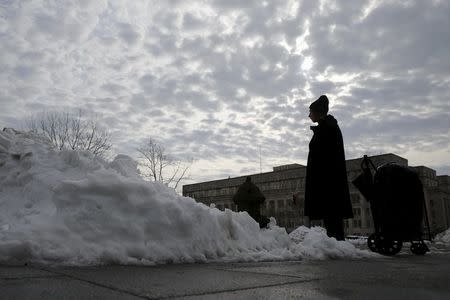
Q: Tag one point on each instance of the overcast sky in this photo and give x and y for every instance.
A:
(221, 80)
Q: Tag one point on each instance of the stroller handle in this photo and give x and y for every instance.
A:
(366, 163)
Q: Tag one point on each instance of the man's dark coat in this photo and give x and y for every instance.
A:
(249, 198)
(326, 188)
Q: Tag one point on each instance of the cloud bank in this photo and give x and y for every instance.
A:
(221, 81)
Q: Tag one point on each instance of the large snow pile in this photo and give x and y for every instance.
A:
(443, 237)
(68, 207)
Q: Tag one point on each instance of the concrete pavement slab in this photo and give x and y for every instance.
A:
(311, 290)
(176, 280)
(403, 276)
(11, 272)
(23, 283)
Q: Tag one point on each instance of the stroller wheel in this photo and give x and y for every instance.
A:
(419, 248)
(387, 246)
(372, 242)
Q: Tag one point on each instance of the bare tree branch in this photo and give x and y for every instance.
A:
(158, 166)
(183, 173)
(69, 131)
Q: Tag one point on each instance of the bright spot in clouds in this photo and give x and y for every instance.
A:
(307, 64)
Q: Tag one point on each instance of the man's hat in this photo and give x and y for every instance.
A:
(320, 105)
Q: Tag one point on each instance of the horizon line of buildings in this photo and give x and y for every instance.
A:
(280, 185)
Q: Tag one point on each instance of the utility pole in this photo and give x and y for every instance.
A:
(260, 162)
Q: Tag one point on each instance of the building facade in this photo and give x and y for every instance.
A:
(287, 182)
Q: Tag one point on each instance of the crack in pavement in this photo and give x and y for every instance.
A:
(148, 297)
(266, 273)
(31, 277)
(236, 289)
(90, 282)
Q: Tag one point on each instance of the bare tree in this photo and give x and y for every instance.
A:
(71, 131)
(159, 166)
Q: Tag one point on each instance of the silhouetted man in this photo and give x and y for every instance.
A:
(249, 198)
(327, 195)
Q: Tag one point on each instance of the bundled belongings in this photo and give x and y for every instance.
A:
(249, 198)
(397, 203)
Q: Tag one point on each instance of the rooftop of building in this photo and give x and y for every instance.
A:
(288, 167)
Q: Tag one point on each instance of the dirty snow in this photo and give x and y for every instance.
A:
(70, 208)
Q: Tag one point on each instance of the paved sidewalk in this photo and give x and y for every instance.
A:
(404, 276)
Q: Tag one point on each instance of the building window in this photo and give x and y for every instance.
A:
(357, 223)
(281, 204)
(355, 198)
(357, 211)
(271, 205)
(275, 185)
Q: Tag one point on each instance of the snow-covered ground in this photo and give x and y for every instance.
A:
(443, 237)
(70, 208)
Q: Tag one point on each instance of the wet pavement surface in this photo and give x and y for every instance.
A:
(403, 276)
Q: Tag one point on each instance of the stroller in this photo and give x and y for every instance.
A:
(397, 201)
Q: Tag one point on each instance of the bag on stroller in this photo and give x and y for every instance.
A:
(397, 203)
